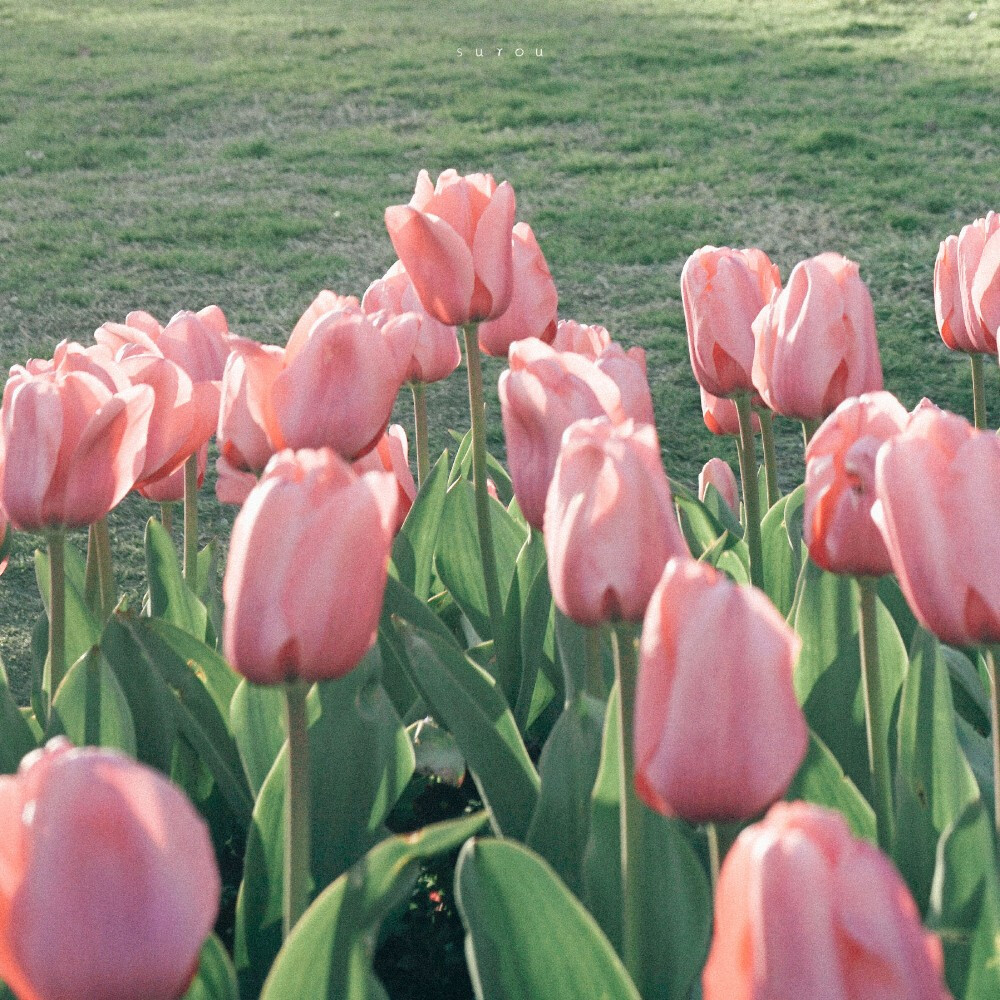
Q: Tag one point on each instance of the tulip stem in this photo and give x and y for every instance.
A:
(167, 517)
(751, 492)
(595, 664)
(92, 703)
(623, 646)
(991, 669)
(809, 427)
(297, 792)
(419, 391)
(477, 412)
(57, 612)
(871, 682)
(770, 458)
(191, 522)
(105, 575)
(712, 836)
(978, 391)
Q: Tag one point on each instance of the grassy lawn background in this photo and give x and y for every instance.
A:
(164, 155)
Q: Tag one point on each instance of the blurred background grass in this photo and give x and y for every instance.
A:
(167, 154)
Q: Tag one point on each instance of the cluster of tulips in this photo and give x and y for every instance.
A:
(684, 663)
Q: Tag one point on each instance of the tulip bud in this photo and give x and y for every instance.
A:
(986, 288)
(715, 672)
(390, 455)
(840, 485)
(307, 568)
(937, 466)
(721, 416)
(815, 341)
(805, 909)
(436, 353)
(719, 474)
(108, 881)
(534, 300)
(541, 394)
(627, 370)
(722, 291)
(610, 525)
(454, 240)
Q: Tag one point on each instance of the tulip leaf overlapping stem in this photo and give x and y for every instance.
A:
(809, 427)
(770, 458)
(978, 391)
(57, 611)
(191, 522)
(751, 494)
(419, 391)
(297, 790)
(991, 669)
(477, 413)
(99, 581)
(871, 681)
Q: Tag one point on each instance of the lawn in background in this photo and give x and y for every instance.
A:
(165, 155)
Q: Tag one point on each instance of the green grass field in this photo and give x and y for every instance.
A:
(166, 154)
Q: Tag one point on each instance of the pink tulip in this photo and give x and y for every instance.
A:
(436, 353)
(198, 342)
(307, 568)
(391, 455)
(815, 342)
(938, 488)
(610, 525)
(108, 881)
(455, 241)
(715, 673)
(4, 537)
(722, 291)
(840, 485)
(719, 474)
(590, 341)
(986, 288)
(170, 488)
(541, 394)
(534, 301)
(721, 417)
(96, 360)
(627, 370)
(805, 909)
(71, 447)
(232, 485)
(325, 302)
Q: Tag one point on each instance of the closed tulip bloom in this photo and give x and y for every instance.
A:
(454, 239)
(986, 288)
(436, 353)
(840, 485)
(721, 417)
(955, 271)
(307, 567)
(719, 474)
(170, 488)
(946, 563)
(391, 455)
(325, 302)
(4, 537)
(610, 525)
(94, 359)
(71, 448)
(534, 301)
(590, 341)
(541, 394)
(627, 370)
(719, 734)
(805, 909)
(815, 341)
(108, 881)
(722, 291)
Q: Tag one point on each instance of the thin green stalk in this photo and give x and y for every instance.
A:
(595, 664)
(167, 517)
(809, 427)
(297, 791)
(712, 835)
(630, 811)
(477, 413)
(875, 710)
(105, 573)
(92, 701)
(978, 391)
(991, 669)
(770, 458)
(419, 391)
(57, 611)
(191, 522)
(751, 493)
(91, 573)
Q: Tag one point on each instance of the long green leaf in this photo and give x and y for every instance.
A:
(417, 539)
(170, 597)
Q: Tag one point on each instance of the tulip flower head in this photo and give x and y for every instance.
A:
(454, 239)
(108, 881)
(957, 293)
(721, 417)
(391, 455)
(715, 673)
(840, 485)
(805, 909)
(610, 525)
(720, 474)
(590, 341)
(986, 287)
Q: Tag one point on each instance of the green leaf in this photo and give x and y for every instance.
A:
(170, 597)
(571, 649)
(972, 700)
(16, 737)
(934, 783)
(892, 597)
(528, 937)
(82, 629)
(328, 955)
(216, 979)
(568, 768)
(722, 512)
(782, 564)
(537, 647)
(965, 906)
(464, 698)
(700, 526)
(209, 591)
(828, 674)
(794, 512)
(820, 779)
(360, 760)
(730, 556)
(256, 716)
(458, 560)
(419, 534)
